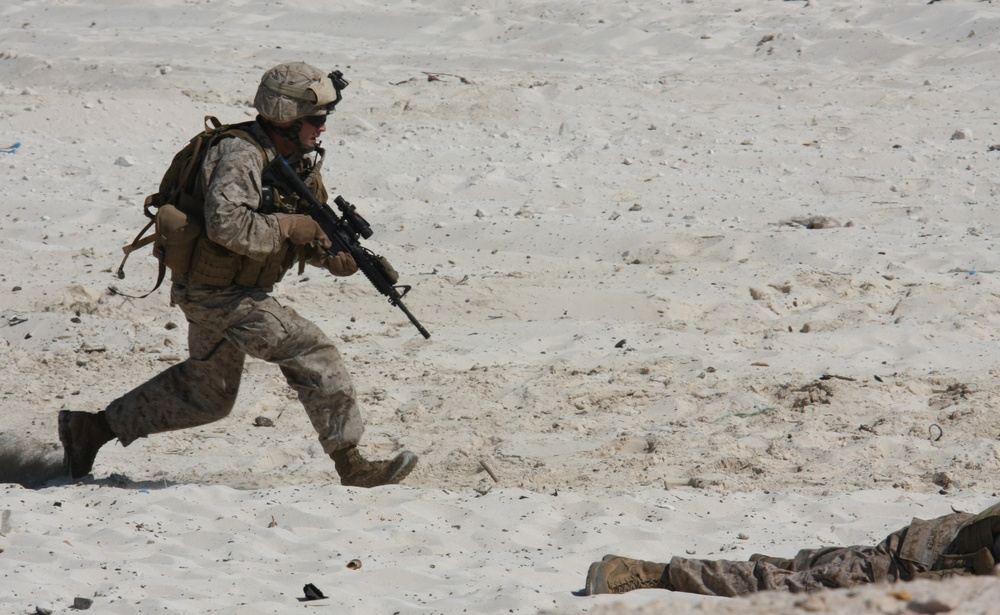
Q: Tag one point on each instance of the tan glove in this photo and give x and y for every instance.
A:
(342, 264)
(301, 230)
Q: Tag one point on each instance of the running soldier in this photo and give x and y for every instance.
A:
(250, 236)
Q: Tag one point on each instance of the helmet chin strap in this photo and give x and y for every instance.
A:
(292, 134)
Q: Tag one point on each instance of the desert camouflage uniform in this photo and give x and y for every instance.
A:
(226, 323)
(958, 543)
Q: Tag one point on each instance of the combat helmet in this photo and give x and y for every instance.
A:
(296, 90)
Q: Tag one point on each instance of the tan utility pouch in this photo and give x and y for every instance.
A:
(267, 272)
(212, 264)
(176, 236)
(173, 239)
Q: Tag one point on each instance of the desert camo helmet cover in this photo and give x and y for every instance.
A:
(295, 90)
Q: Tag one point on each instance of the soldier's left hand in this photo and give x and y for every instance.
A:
(342, 264)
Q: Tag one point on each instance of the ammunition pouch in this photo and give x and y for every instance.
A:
(214, 265)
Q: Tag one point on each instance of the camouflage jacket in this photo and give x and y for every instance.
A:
(957, 543)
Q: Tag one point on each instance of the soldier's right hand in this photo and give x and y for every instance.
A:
(301, 230)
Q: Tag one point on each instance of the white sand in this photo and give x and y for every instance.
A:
(604, 209)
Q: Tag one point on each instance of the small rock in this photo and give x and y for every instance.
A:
(961, 134)
(263, 421)
(813, 222)
(934, 605)
(125, 161)
(82, 604)
(942, 479)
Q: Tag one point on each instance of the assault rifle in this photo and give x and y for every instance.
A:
(343, 232)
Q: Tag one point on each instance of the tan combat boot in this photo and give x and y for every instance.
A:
(617, 575)
(356, 471)
(82, 434)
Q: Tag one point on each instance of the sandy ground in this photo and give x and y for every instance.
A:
(706, 278)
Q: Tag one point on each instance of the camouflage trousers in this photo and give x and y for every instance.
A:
(809, 571)
(226, 325)
(911, 552)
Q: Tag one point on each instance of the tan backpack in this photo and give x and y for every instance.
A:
(175, 209)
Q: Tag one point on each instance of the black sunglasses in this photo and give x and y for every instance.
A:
(315, 120)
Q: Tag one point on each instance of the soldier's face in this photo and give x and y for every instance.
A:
(311, 130)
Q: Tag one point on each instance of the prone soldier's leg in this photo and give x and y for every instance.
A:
(811, 569)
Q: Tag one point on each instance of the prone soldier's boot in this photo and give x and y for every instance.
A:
(617, 575)
(356, 471)
(82, 434)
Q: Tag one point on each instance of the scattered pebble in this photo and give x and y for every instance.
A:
(813, 222)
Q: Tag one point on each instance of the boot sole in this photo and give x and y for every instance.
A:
(597, 583)
(390, 472)
(593, 573)
(401, 468)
